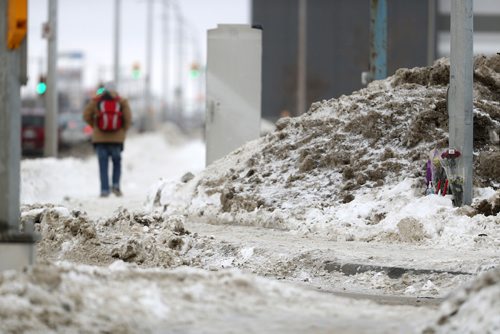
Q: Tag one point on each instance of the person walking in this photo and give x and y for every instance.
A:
(110, 117)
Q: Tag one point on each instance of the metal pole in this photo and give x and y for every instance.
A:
(431, 32)
(165, 99)
(460, 93)
(302, 58)
(116, 58)
(16, 249)
(149, 63)
(378, 39)
(10, 129)
(180, 63)
(50, 144)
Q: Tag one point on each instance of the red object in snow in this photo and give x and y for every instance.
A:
(445, 187)
(438, 187)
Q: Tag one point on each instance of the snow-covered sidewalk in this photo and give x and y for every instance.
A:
(340, 185)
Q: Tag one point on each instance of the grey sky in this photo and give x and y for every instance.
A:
(87, 26)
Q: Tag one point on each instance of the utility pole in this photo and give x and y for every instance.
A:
(180, 64)
(166, 23)
(460, 91)
(149, 64)
(116, 58)
(50, 143)
(431, 32)
(378, 39)
(302, 58)
(16, 249)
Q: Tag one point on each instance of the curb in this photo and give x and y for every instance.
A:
(350, 269)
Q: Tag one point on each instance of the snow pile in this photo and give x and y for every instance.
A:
(472, 309)
(50, 177)
(72, 298)
(350, 170)
(136, 237)
(353, 168)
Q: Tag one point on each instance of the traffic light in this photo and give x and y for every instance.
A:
(136, 70)
(100, 89)
(41, 86)
(194, 70)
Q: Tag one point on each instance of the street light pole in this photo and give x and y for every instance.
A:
(165, 60)
(180, 64)
(149, 64)
(116, 58)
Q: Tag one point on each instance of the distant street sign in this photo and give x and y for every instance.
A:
(71, 54)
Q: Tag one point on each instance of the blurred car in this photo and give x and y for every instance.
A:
(32, 130)
(73, 129)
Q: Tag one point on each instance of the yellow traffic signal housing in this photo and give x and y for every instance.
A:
(17, 19)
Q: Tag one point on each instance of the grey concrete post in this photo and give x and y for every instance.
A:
(460, 93)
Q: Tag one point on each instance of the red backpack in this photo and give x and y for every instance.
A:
(109, 114)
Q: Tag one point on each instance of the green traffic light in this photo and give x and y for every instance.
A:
(41, 88)
(100, 91)
(136, 74)
(195, 73)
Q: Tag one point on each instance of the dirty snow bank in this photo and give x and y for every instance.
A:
(151, 240)
(473, 309)
(353, 168)
(72, 298)
(136, 237)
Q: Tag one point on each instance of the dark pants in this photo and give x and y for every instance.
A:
(104, 152)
